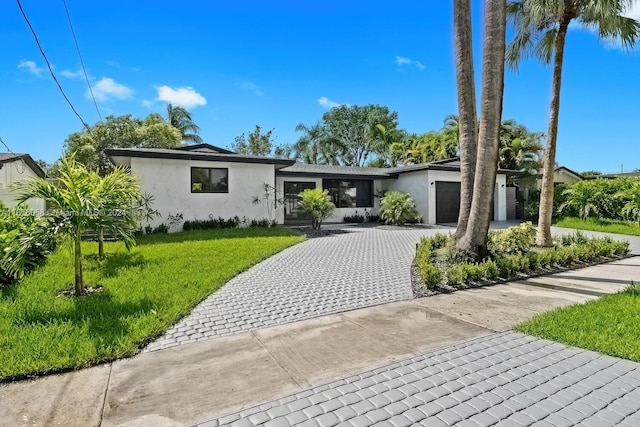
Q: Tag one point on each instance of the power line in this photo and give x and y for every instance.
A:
(15, 154)
(55, 79)
(84, 70)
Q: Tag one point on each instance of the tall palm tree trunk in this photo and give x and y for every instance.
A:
(474, 241)
(78, 263)
(543, 237)
(468, 138)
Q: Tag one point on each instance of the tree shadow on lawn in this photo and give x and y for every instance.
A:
(112, 263)
(217, 234)
(107, 320)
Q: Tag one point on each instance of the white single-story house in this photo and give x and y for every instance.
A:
(202, 180)
(16, 168)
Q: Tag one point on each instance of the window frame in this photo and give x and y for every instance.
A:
(371, 202)
(208, 169)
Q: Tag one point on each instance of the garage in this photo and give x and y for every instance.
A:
(447, 202)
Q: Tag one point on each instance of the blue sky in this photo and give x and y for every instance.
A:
(280, 63)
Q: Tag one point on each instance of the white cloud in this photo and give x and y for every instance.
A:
(31, 67)
(148, 104)
(253, 88)
(327, 103)
(107, 88)
(403, 60)
(185, 96)
(71, 75)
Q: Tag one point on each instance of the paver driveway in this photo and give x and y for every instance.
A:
(324, 275)
(506, 379)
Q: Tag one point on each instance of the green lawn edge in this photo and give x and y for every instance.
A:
(145, 292)
(607, 325)
(602, 225)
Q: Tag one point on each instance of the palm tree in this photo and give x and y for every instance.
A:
(541, 28)
(473, 242)
(76, 197)
(582, 196)
(467, 115)
(83, 200)
(118, 191)
(520, 149)
(180, 118)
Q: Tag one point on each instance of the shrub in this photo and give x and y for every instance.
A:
(398, 208)
(355, 218)
(317, 204)
(255, 223)
(211, 223)
(25, 243)
(514, 240)
(455, 275)
(430, 274)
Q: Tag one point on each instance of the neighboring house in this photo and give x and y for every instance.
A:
(16, 168)
(202, 180)
(564, 175)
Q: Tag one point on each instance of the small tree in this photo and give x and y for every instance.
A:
(117, 193)
(398, 208)
(631, 209)
(581, 196)
(271, 201)
(317, 204)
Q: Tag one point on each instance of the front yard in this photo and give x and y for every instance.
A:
(601, 224)
(144, 292)
(608, 325)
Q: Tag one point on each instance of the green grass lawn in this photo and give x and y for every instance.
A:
(145, 291)
(604, 225)
(608, 325)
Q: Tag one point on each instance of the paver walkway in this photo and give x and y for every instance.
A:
(506, 379)
(360, 268)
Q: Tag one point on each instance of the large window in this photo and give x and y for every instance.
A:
(350, 194)
(209, 180)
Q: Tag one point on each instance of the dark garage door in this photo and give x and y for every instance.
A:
(447, 201)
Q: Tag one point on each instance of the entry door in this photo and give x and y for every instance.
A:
(447, 202)
(292, 190)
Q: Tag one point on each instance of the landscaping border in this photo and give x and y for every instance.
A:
(420, 290)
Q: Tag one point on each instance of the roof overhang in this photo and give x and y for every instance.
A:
(122, 156)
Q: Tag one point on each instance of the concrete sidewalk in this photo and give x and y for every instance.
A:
(202, 381)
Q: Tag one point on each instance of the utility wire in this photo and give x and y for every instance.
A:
(84, 70)
(55, 79)
(15, 154)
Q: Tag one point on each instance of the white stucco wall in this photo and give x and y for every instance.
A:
(339, 213)
(418, 184)
(11, 173)
(169, 180)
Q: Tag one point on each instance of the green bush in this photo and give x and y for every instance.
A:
(356, 218)
(25, 243)
(514, 240)
(430, 274)
(317, 204)
(455, 275)
(398, 208)
(211, 223)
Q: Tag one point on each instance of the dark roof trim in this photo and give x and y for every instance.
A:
(188, 155)
(209, 146)
(28, 160)
(437, 167)
(335, 175)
